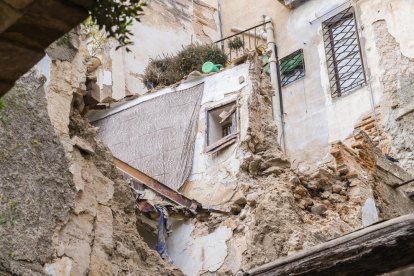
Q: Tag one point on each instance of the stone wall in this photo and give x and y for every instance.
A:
(64, 209)
(398, 88)
(37, 190)
(275, 210)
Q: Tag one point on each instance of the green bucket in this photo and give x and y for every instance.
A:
(210, 67)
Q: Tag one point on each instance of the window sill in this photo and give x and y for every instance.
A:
(222, 143)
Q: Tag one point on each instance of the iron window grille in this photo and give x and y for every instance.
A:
(343, 53)
(292, 67)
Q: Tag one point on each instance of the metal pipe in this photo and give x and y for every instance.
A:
(277, 108)
(220, 22)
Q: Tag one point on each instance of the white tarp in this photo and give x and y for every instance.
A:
(156, 136)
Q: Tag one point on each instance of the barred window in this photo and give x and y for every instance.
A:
(292, 67)
(345, 65)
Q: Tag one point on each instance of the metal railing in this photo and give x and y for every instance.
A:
(234, 46)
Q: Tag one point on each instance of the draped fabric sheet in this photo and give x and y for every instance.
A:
(156, 136)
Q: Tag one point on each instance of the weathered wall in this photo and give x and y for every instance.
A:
(164, 29)
(313, 119)
(398, 94)
(274, 210)
(212, 181)
(64, 208)
(37, 191)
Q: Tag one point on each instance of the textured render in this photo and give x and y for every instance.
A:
(156, 136)
(63, 206)
(276, 210)
(399, 95)
(37, 190)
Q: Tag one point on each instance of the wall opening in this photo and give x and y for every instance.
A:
(292, 67)
(343, 53)
(222, 126)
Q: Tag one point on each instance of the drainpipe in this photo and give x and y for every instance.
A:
(220, 23)
(277, 101)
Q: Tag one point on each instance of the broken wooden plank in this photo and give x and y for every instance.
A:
(376, 249)
(222, 141)
(157, 186)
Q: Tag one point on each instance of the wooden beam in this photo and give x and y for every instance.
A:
(372, 250)
(157, 186)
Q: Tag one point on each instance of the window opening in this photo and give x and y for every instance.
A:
(222, 127)
(343, 53)
(292, 67)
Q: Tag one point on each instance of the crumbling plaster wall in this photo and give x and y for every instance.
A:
(65, 210)
(313, 119)
(393, 29)
(164, 29)
(274, 210)
(231, 85)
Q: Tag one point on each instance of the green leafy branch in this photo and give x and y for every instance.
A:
(116, 18)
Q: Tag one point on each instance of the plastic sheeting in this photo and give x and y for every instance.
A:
(156, 136)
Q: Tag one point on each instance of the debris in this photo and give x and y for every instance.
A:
(337, 188)
(252, 199)
(82, 145)
(319, 209)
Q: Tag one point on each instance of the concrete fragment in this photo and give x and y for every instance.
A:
(336, 188)
(243, 214)
(235, 209)
(252, 199)
(300, 190)
(242, 79)
(325, 195)
(239, 198)
(295, 180)
(82, 144)
(60, 267)
(319, 209)
(369, 212)
(313, 185)
(273, 170)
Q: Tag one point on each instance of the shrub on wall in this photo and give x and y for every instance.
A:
(171, 69)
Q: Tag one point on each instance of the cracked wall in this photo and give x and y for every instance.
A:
(165, 28)
(312, 119)
(66, 209)
(273, 209)
(398, 85)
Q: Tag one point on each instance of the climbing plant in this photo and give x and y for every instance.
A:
(116, 17)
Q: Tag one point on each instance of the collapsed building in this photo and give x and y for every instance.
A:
(220, 173)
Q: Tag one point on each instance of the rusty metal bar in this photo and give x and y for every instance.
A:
(157, 186)
(239, 33)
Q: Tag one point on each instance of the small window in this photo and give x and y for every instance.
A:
(292, 67)
(343, 54)
(222, 127)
